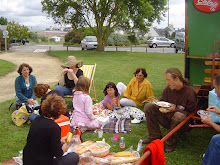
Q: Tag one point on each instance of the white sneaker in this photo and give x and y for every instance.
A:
(135, 121)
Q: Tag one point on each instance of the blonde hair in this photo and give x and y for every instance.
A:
(175, 72)
(83, 84)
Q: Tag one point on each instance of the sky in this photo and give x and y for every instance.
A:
(29, 13)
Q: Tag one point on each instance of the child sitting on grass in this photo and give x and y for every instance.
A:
(82, 116)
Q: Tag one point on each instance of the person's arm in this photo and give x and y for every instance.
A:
(214, 109)
(207, 120)
(88, 108)
(55, 141)
(118, 103)
(62, 77)
(18, 90)
(72, 75)
(149, 93)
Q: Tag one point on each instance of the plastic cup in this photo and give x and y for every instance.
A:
(100, 133)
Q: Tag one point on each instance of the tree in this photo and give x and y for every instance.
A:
(3, 21)
(17, 31)
(125, 14)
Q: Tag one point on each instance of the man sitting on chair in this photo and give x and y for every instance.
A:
(212, 155)
(182, 99)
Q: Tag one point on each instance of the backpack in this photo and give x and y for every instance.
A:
(21, 116)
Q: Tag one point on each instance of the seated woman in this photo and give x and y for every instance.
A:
(43, 142)
(70, 75)
(42, 91)
(24, 85)
(138, 90)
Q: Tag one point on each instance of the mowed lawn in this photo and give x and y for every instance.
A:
(117, 67)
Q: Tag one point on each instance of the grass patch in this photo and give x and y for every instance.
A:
(6, 67)
(117, 67)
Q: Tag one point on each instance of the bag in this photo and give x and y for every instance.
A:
(21, 116)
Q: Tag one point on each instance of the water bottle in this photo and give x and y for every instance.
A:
(139, 145)
(122, 144)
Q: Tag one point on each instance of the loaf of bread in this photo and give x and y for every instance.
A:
(121, 160)
(82, 148)
(124, 154)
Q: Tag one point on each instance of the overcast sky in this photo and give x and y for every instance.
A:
(29, 13)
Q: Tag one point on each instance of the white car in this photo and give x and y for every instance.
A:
(160, 41)
(89, 42)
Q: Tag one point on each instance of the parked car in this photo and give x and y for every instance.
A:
(160, 41)
(180, 41)
(89, 42)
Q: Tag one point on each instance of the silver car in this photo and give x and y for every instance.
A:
(160, 41)
(89, 42)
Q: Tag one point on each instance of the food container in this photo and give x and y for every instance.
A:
(99, 149)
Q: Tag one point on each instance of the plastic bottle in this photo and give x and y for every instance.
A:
(122, 144)
(139, 145)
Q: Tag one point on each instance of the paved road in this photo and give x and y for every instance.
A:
(44, 48)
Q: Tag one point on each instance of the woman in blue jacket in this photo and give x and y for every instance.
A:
(24, 85)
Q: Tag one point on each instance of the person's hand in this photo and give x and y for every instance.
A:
(206, 119)
(65, 147)
(213, 109)
(31, 101)
(64, 139)
(172, 108)
(70, 71)
(65, 70)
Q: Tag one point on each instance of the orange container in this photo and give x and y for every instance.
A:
(64, 123)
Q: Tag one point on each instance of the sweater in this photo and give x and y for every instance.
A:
(184, 99)
(139, 93)
(43, 142)
(82, 104)
(21, 90)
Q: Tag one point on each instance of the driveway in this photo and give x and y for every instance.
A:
(46, 69)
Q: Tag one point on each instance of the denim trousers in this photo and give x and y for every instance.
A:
(212, 155)
(65, 90)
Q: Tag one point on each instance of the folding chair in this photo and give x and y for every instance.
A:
(89, 72)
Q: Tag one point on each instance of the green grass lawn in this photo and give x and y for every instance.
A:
(6, 67)
(117, 67)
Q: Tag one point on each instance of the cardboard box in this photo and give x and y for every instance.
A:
(64, 123)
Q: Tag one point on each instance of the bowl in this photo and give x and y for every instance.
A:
(99, 149)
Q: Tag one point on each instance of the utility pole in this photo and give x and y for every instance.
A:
(168, 14)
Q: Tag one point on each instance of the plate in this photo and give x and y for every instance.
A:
(163, 104)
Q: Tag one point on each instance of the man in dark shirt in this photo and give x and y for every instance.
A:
(182, 99)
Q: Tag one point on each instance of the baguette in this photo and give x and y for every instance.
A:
(121, 160)
(124, 154)
(70, 135)
(82, 148)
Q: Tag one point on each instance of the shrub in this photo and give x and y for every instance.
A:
(121, 44)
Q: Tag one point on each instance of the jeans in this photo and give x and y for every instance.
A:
(65, 90)
(32, 116)
(212, 155)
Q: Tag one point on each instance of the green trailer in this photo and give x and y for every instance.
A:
(202, 41)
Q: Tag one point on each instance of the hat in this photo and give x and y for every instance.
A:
(71, 61)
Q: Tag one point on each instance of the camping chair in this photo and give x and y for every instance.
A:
(89, 72)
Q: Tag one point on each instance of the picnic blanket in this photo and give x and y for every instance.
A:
(120, 125)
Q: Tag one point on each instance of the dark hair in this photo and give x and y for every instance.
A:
(175, 72)
(53, 106)
(143, 70)
(24, 65)
(217, 79)
(83, 84)
(40, 90)
(110, 85)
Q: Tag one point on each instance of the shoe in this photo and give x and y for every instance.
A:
(135, 121)
(170, 148)
(148, 140)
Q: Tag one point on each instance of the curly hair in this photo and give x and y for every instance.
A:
(40, 90)
(143, 70)
(111, 85)
(83, 84)
(24, 65)
(53, 106)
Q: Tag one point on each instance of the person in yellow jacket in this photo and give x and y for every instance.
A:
(138, 90)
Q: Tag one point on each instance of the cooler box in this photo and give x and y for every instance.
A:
(64, 123)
